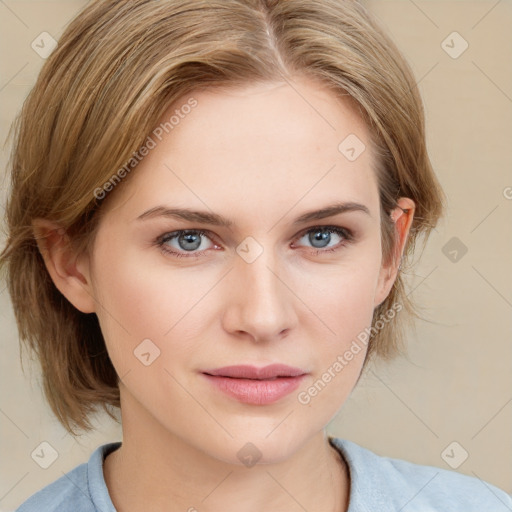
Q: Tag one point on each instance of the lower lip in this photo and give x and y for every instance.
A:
(256, 392)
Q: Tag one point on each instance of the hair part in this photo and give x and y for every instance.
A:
(118, 66)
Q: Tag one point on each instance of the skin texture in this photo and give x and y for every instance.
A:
(260, 155)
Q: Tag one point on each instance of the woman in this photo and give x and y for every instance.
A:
(207, 227)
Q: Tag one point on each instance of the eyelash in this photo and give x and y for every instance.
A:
(161, 241)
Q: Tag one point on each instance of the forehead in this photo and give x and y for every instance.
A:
(268, 145)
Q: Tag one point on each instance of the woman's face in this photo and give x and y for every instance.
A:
(269, 288)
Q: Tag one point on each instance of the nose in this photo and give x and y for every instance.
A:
(259, 302)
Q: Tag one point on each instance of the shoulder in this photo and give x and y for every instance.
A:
(82, 489)
(384, 483)
(68, 493)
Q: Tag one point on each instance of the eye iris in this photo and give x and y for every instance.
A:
(189, 241)
(317, 238)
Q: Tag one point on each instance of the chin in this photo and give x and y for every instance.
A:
(257, 446)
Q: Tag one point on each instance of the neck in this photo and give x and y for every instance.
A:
(162, 472)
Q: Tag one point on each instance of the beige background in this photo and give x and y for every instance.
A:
(456, 384)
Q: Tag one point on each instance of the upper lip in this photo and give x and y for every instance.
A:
(252, 372)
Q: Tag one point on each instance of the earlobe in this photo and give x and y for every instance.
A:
(69, 271)
(402, 217)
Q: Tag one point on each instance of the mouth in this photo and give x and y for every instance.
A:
(256, 386)
(270, 372)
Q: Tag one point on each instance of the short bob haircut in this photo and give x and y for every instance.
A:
(117, 68)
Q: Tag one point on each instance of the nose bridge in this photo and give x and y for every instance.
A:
(260, 303)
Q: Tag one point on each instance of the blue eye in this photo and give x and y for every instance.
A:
(193, 242)
(321, 236)
(186, 241)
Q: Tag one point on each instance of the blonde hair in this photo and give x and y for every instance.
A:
(118, 66)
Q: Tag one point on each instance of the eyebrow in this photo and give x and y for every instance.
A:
(215, 219)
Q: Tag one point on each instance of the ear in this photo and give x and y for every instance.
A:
(69, 271)
(402, 217)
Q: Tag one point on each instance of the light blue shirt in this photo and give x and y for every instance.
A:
(377, 484)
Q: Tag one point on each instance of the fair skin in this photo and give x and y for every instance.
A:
(260, 156)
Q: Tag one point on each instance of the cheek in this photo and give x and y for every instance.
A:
(345, 306)
(143, 300)
(342, 295)
(130, 302)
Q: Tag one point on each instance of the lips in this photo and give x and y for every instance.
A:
(272, 371)
(256, 386)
